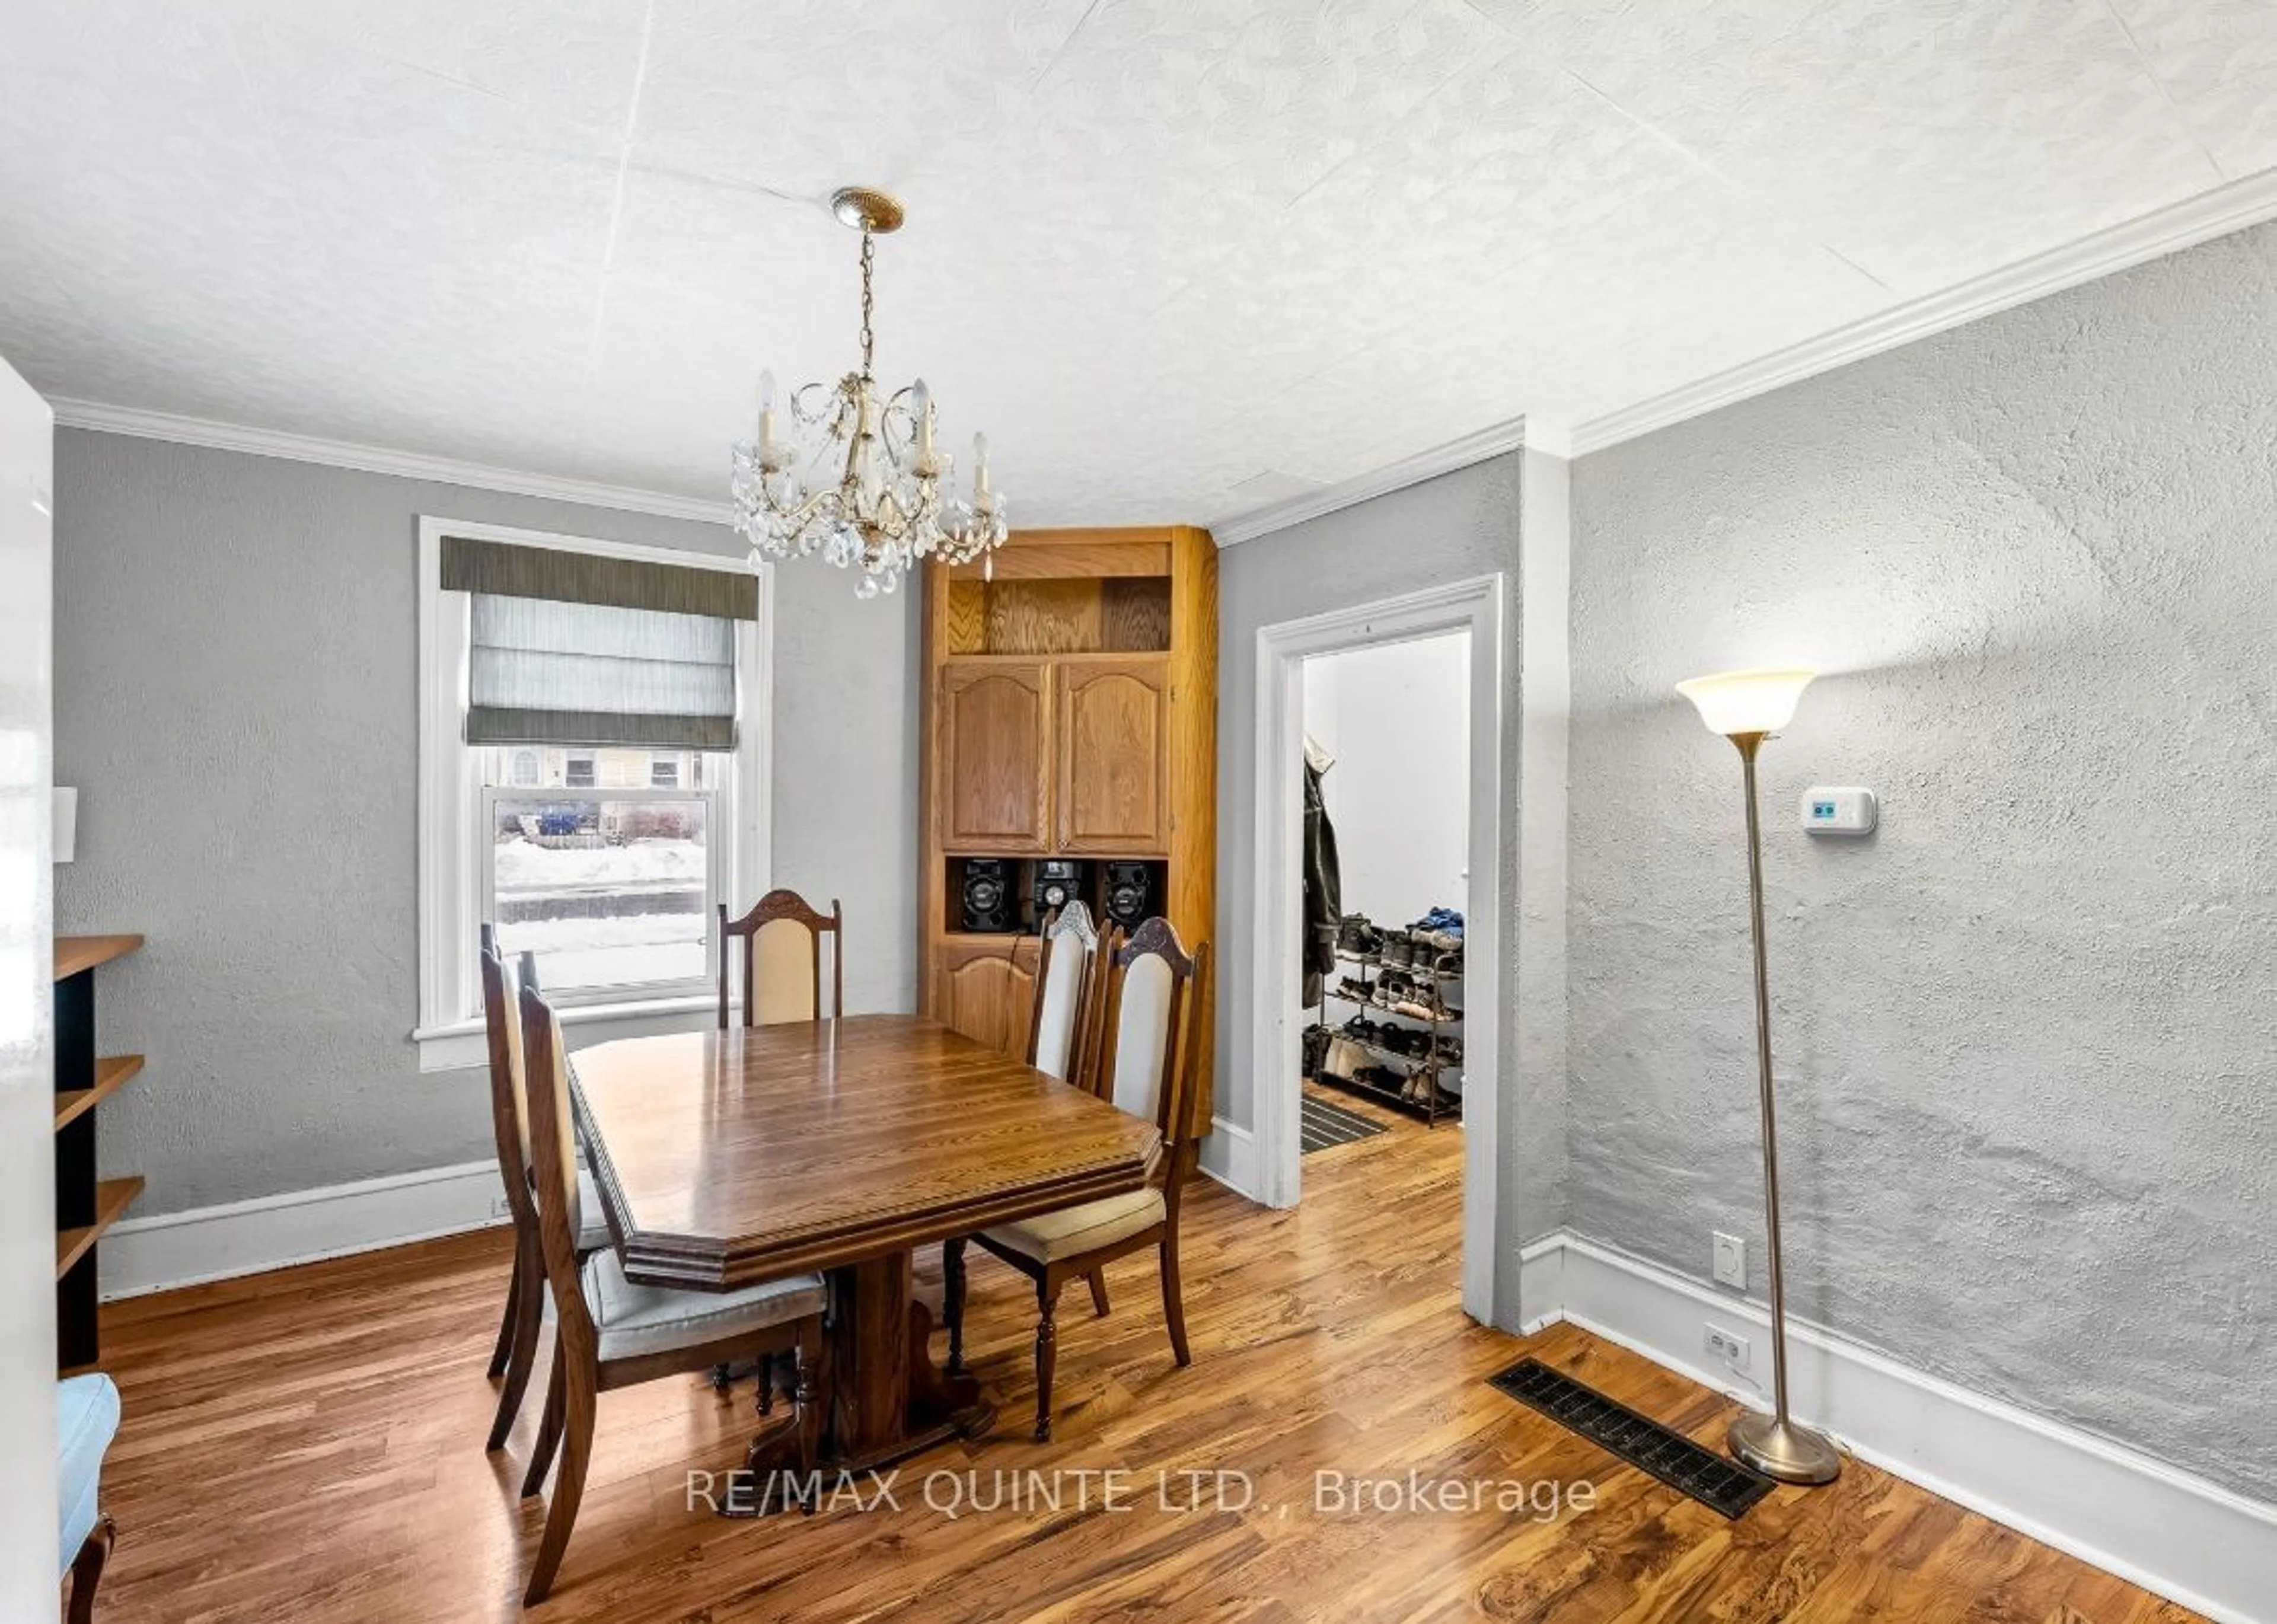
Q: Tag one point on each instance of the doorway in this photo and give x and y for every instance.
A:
(1346, 676)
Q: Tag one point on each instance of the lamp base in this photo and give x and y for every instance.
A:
(1782, 1451)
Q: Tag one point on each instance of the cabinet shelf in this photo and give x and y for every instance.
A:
(112, 1197)
(112, 1072)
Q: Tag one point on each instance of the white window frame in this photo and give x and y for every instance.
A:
(450, 1035)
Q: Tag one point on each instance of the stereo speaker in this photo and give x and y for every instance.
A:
(1129, 893)
(987, 895)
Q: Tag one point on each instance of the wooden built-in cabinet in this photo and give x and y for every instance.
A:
(994, 755)
(981, 986)
(1061, 757)
(1113, 784)
(1071, 700)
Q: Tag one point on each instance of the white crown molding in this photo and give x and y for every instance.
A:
(181, 431)
(2229, 208)
(1491, 441)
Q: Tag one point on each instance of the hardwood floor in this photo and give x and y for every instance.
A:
(306, 1445)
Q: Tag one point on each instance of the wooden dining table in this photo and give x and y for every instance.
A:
(726, 1158)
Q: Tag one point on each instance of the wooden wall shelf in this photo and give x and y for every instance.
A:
(74, 954)
(112, 1072)
(112, 1197)
(85, 1206)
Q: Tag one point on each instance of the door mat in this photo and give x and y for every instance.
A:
(1326, 1125)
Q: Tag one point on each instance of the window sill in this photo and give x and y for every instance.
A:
(462, 1044)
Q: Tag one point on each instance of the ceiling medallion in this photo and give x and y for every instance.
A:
(856, 477)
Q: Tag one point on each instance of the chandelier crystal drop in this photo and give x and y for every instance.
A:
(854, 475)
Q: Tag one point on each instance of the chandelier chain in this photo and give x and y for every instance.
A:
(869, 256)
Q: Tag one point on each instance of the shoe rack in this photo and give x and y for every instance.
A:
(1407, 981)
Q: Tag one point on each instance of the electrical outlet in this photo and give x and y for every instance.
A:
(1727, 1345)
(1731, 1261)
(499, 1209)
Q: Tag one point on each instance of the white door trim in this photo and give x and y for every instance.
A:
(1474, 606)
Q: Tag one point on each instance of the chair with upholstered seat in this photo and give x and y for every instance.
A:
(1153, 1025)
(87, 1419)
(525, 1292)
(611, 1333)
(782, 959)
(1060, 1015)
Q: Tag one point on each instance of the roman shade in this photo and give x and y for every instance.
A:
(578, 649)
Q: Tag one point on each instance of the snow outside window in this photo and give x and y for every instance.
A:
(605, 868)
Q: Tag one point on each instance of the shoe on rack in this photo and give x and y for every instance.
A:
(1397, 949)
(1441, 928)
(1357, 936)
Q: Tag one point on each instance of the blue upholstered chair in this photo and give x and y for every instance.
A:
(87, 1419)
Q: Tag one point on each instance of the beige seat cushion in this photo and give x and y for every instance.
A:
(654, 1319)
(1049, 1236)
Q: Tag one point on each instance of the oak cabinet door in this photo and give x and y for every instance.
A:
(994, 751)
(1113, 737)
(983, 990)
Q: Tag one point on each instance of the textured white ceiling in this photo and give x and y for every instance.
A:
(1178, 257)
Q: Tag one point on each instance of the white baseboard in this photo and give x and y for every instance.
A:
(2187, 1539)
(300, 1226)
(1230, 1155)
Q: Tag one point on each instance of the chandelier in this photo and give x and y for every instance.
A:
(856, 477)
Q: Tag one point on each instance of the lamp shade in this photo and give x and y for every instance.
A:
(1733, 702)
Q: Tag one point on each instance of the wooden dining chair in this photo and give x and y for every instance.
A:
(1153, 1023)
(782, 959)
(1060, 1014)
(612, 1333)
(525, 1293)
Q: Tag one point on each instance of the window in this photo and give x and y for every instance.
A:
(592, 773)
(611, 889)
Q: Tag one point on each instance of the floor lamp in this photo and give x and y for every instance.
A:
(1747, 707)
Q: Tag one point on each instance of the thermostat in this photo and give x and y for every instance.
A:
(1839, 809)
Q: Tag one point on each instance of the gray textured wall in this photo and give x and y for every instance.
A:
(2026, 1036)
(236, 701)
(1457, 527)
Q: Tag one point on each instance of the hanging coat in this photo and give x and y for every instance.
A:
(1323, 887)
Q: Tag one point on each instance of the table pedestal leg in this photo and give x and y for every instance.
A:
(888, 1400)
